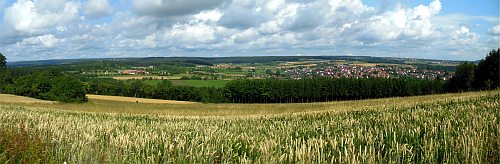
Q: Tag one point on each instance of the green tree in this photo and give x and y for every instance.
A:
(3, 62)
(463, 79)
(67, 89)
(135, 87)
(487, 72)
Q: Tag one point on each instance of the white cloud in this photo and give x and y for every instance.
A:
(245, 36)
(229, 27)
(212, 15)
(242, 15)
(47, 40)
(97, 8)
(146, 42)
(25, 18)
(463, 36)
(401, 23)
(190, 33)
(167, 8)
(49, 5)
(495, 30)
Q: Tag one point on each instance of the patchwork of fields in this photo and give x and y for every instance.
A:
(450, 128)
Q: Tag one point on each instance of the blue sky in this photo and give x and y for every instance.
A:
(67, 29)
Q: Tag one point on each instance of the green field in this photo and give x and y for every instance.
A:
(193, 83)
(449, 128)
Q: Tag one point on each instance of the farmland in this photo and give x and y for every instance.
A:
(192, 83)
(136, 100)
(449, 128)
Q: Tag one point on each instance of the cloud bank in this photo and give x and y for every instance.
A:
(54, 29)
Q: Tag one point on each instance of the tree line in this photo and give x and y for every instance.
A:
(326, 89)
(483, 76)
(45, 85)
(163, 90)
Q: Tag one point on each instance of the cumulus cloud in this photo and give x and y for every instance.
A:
(26, 17)
(212, 15)
(46, 40)
(168, 8)
(463, 36)
(190, 33)
(495, 30)
(414, 23)
(97, 8)
(241, 16)
(229, 27)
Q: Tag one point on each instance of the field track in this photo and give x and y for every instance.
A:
(137, 100)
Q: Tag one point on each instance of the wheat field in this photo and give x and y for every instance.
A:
(6, 98)
(454, 128)
(126, 105)
(136, 100)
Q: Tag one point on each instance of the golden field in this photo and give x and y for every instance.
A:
(127, 105)
(133, 99)
(448, 128)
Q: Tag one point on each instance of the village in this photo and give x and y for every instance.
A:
(232, 72)
(359, 72)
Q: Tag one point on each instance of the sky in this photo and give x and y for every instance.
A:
(72, 29)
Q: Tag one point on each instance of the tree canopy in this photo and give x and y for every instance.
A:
(487, 72)
(469, 76)
(3, 62)
(47, 85)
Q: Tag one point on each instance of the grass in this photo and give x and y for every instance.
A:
(19, 146)
(453, 128)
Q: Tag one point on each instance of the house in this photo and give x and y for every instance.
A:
(133, 72)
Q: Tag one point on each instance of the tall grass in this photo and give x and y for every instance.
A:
(451, 131)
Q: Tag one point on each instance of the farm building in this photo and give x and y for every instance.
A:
(133, 72)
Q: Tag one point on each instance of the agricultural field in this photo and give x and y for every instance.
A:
(144, 77)
(192, 83)
(448, 128)
(134, 99)
(6, 98)
(200, 83)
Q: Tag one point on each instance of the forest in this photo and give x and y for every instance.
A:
(54, 84)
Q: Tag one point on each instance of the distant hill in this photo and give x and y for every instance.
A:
(218, 60)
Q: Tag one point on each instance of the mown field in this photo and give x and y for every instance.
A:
(450, 128)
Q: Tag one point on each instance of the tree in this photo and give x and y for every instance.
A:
(463, 79)
(135, 87)
(67, 89)
(487, 72)
(3, 62)
(5, 78)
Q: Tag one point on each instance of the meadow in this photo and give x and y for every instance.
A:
(448, 128)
